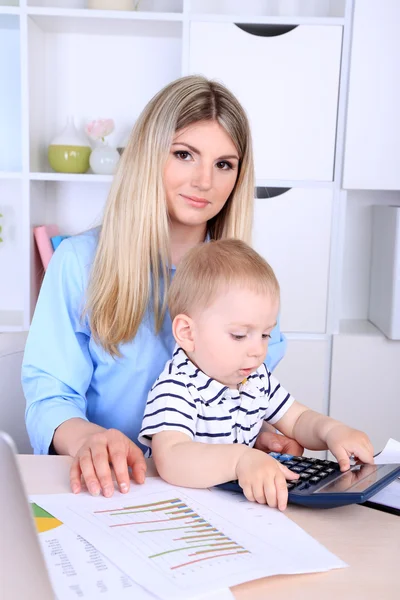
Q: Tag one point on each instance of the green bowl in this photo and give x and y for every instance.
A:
(69, 159)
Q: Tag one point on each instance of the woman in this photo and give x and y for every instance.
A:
(101, 333)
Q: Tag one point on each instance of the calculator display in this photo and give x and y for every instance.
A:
(357, 479)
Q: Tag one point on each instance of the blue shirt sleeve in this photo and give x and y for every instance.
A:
(57, 367)
(276, 347)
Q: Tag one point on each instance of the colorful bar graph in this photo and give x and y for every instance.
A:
(172, 533)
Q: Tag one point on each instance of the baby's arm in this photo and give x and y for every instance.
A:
(318, 432)
(181, 461)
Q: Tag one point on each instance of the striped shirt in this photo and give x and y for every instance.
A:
(185, 399)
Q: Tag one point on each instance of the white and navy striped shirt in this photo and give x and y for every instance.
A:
(185, 399)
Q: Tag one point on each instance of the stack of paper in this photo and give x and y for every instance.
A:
(172, 543)
(390, 495)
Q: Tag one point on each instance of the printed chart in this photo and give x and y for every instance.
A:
(178, 543)
(76, 568)
(172, 534)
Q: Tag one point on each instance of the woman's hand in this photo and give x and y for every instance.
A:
(268, 441)
(97, 454)
(263, 478)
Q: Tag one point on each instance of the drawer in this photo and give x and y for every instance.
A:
(292, 231)
(365, 384)
(304, 371)
(287, 79)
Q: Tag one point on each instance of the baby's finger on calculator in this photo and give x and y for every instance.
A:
(270, 492)
(287, 473)
(281, 492)
(258, 492)
(342, 456)
(364, 454)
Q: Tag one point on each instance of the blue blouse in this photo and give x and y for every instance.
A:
(66, 374)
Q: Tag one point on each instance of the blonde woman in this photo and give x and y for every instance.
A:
(101, 332)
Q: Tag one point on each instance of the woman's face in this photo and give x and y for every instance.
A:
(200, 173)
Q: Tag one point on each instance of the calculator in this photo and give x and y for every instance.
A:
(321, 484)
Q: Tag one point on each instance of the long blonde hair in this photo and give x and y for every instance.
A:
(132, 260)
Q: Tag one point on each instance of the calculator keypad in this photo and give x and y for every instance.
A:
(311, 470)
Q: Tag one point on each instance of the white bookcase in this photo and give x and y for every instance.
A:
(58, 58)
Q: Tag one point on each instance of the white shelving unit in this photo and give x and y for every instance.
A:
(58, 58)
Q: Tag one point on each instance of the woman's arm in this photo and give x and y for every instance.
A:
(57, 367)
(56, 373)
(70, 435)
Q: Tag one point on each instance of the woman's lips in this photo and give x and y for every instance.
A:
(196, 202)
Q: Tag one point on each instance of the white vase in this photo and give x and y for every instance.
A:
(104, 159)
(113, 4)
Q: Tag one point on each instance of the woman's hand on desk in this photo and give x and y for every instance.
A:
(99, 452)
(269, 441)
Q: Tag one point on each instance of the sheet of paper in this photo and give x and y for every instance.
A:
(390, 495)
(390, 454)
(76, 568)
(179, 543)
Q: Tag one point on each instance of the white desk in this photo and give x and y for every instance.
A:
(366, 539)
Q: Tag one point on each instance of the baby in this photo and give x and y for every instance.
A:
(206, 409)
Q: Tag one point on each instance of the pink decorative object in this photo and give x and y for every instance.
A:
(100, 128)
(42, 234)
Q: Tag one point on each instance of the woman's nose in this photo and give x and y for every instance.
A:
(202, 177)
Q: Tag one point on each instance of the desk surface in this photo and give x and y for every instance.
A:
(368, 540)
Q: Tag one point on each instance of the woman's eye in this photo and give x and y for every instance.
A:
(182, 154)
(238, 337)
(266, 336)
(225, 165)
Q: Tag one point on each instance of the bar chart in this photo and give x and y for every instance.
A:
(173, 535)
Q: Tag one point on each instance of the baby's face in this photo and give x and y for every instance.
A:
(231, 335)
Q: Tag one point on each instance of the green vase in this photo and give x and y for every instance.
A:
(69, 152)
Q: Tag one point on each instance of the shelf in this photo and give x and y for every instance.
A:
(272, 20)
(71, 177)
(294, 183)
(11, 321)
(10, 10)
(104, 22)
(359, 327)
(91, 177)
(10, 175)
(169, 6)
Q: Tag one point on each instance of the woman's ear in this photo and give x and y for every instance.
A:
(182, 328)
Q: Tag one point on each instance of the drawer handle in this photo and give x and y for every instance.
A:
(264, 29)
(270, 192)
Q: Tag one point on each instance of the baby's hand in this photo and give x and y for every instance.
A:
(344, 442)
(263, 478)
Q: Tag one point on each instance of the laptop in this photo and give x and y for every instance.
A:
(23, 573)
